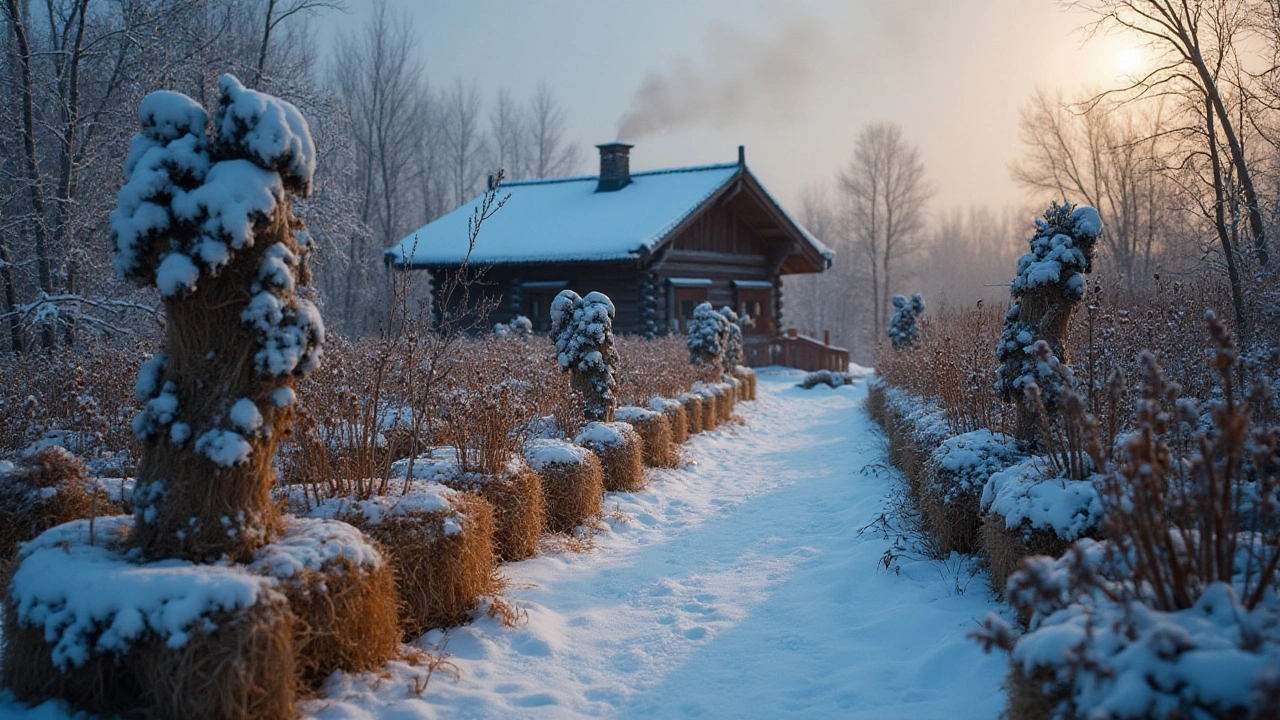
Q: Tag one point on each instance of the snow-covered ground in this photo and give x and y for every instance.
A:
(738, 586)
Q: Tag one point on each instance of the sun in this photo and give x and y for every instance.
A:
(1128, 60)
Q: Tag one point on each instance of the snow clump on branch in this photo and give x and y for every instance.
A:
(903, 331)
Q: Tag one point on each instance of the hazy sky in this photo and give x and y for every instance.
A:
(794, 81)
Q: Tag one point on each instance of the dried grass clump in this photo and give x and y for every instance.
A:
(245, 668)
(694, 414)
(441, 572)
(621, 452)
(28, 509)
(572, 482)
(673, 411)
(1005, 548)
(655, 434)
(652, 368)
(84, 392)
(1027, 699)
(957, 525)
(515, 494)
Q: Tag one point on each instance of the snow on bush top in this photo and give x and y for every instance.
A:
(604, 435)
(631, 413)
(420, 498)
(542, 453)
(969, 460)
(1024, 497)
(664, 404)
(267, 130)
(314, 544)
(902, 330)
(190, 201)
(91, 599)
(1061, 250)
(927, 420)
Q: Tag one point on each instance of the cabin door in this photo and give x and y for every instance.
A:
(686, 299)
(754, 303)
(537, 305)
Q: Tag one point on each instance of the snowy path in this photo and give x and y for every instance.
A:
(739, 588)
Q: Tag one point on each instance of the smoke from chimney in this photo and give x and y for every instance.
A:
(744, 77)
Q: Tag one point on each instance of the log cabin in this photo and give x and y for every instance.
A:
(657, 242)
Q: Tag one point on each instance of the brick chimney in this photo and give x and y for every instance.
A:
(615, 166)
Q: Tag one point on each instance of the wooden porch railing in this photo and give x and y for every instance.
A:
(794, 350)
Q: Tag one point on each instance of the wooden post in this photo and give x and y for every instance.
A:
(826, 338)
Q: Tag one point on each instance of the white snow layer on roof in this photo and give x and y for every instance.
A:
(567, 220)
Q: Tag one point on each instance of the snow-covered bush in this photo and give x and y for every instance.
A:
(969, 460)
(520, 327)
(830, 378)
(583, 331)
(708, 336)
(205, 217)
(903, 331)
(1177, 614)
(733, 340)
(1048, 287)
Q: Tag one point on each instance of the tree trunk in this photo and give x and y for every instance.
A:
(35, 185)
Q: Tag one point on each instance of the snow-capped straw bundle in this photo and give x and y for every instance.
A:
(440, 544)
(87, 623)
(620, 450)
(673, 411)
(655, 434)
(710, 405)
(1005, 548)
(693, 413)
(950, 490)
(206, 218)
(188, 600)
(748, 378)
(572, 482)
(515, 494)
(244, 668)
(725, 399)
(342, 592)
(47, 489)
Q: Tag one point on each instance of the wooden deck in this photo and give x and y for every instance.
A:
(794, 350)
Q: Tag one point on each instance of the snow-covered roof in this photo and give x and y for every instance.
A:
(566, 220)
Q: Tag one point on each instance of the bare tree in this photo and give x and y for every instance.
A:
(463, 139)
(1198, 43)
(1111, 157)
(278, 11)
(886, 197)
(380, 82)
(550, 155)
(508, 150)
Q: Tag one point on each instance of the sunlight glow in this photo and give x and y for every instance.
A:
(1128, 60)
